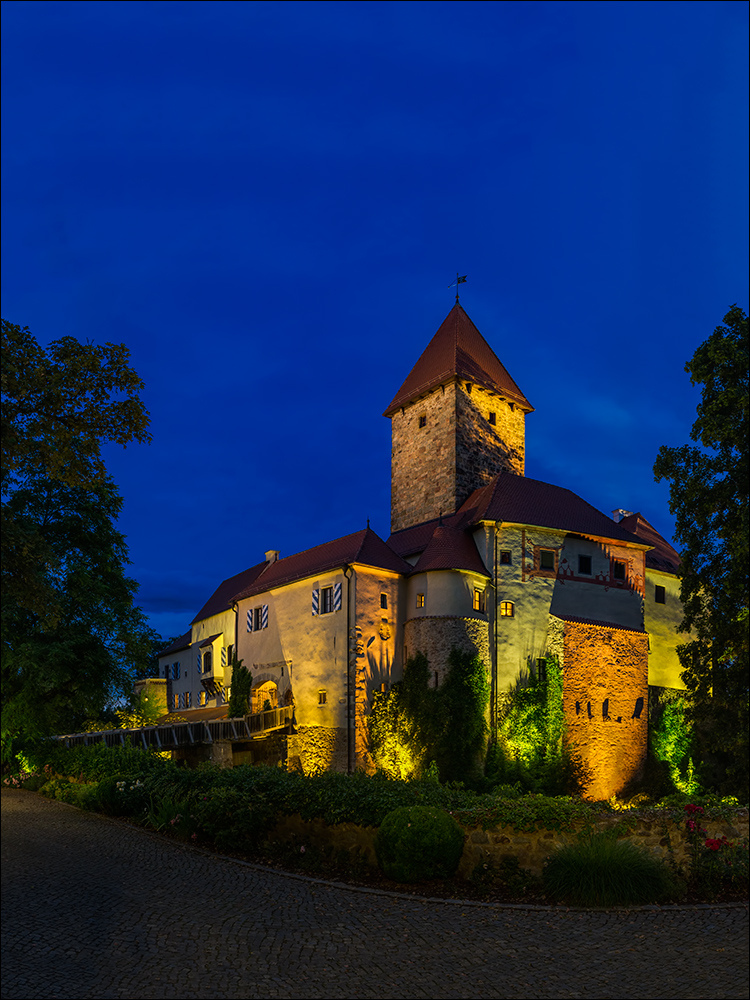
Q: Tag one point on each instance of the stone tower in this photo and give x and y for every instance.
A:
(456, 422)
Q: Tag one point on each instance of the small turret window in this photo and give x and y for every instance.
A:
(423, 420)
(493, 419)
(420, 600)
(660, 595)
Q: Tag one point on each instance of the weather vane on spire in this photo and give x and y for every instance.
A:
(457, 282)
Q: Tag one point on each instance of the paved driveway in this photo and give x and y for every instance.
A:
(94, 908)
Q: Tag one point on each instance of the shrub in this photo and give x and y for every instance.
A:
(418, 842)
(602, 871)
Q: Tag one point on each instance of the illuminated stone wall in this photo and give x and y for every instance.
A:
(437, 636)
(483, 450)
(605, 702)
(317, 748)
(423, 459)
(661, 621)
(434, 468)
(377, 646)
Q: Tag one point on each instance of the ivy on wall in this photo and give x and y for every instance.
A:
(417, 730)
(528, 746)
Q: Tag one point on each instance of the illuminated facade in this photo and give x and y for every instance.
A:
(479, 558)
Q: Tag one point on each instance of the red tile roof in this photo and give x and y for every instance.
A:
(410, 541)
(182, 643)
(450, 548)
(224, 595)
(363, 547)
(519, 500)
(600, 624)
(662, 556)
(457, 349)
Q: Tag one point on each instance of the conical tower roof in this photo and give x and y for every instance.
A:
(458, 350)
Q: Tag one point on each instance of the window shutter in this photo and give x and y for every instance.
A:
(315, 601)
(337, 597)
(264, 617)
(223, 656)
(250, 620)
(199, 660)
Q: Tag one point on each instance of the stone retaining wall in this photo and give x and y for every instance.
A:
(494, 845)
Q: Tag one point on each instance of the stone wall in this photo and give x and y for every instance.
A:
(317, 748)
(437, 636)
(423, 459)
(483, 449)
(605, 702)
(497, 844)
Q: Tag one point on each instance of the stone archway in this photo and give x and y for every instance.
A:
(264, 697)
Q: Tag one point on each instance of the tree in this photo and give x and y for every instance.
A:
(61, 668)
(709, 498)
(71, 633)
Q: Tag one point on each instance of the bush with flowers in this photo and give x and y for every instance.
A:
(718, 867)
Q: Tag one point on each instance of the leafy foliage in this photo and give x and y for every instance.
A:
(414, 726)
(671, 739)
(71, 634)
(418, 843)
(242, 683)
(709, 498)
(528, 747)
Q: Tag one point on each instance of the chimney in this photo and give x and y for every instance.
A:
(271, 556)
(619, 514)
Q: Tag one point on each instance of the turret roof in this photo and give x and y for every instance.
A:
(458, 349)
(450, 548)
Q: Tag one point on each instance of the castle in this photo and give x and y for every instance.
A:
(480, 558)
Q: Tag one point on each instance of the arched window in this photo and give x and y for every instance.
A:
(507, 609)
(207, 662)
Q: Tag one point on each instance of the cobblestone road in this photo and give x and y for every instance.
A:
(94, 908)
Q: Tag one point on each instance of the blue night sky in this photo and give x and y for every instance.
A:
(267, 202)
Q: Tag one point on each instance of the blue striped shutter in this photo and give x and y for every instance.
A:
(223, 656)
(315, 602)
(337, 597)
(250, 620)
(264, 616)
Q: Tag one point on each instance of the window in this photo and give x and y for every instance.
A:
(541, 668)
(584, 565)
(468, 386)
(384, 600)
(660, 595)
(188, 699)
(202, 698)
(547, 559)
(618, 569)
(423, 421)
(207, 662)
(478, 600)
(175, 701)
(322, 697)
(326, 600)
(505, 557)
(176, 671)
(257, 618)
(507, 609)
(420, 600)
(493, 419)
(512, 406)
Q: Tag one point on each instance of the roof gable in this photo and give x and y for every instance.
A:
(458, 349)
(662, 557)
(223, 596)
(364, 547)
